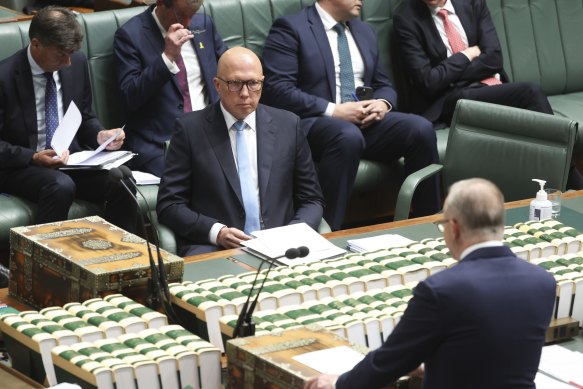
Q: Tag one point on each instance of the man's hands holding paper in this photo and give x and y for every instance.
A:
(231, 237)
(116, 143)
(50, 159)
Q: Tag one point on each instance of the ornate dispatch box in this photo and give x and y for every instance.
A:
(75, 260)
(265, 362)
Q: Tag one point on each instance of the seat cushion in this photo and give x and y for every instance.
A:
(570, 105)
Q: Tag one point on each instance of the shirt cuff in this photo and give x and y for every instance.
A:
(172, 67)
(330, 109)
(389, 105)
(214, 232)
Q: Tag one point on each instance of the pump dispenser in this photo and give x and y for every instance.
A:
(540, 208)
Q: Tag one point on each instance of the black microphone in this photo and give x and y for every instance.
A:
(245, 325)
(118, 174)
(160, 272)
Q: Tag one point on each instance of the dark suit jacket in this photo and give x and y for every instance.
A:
(480, 324)
(299, 67)
(149, 90)
(200, 185)
(431, 73)
(18, 127)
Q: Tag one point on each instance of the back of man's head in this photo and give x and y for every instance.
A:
(56, 27)
(478, 206)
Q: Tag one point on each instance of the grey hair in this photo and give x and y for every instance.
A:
(478, 205)
(56, 27)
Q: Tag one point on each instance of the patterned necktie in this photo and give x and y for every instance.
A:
(346, 73)
(248, 188)
(182, 79)
(51, 109)
(457, 43)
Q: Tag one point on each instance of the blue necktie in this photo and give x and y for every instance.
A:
(346, 73)
(51, 108)
(248, 188)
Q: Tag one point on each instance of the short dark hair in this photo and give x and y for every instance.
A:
(56, 27)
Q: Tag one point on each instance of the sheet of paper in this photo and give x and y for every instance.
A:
(274, 242)
(143, 178)
(543, 381)
(373, 243)
(336, 360)
(89, 158)
(67, 129)
(562, 364)
(109, 140)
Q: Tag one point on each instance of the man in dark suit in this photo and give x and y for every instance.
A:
(237, 166)
(314, 60)
(166, 60)
(37, 84)
(479, 324)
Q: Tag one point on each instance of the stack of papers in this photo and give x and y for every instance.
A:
(335, 360)
(143, 178)
(94, 159)
(274, 242)
(379, 242)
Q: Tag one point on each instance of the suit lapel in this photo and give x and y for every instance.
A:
(362, 44)
(218, 134)
(464, 14)
(205, 52)
(25, 95)
(324, 45)
(265, 149)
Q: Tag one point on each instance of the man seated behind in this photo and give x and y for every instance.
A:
(480, 324)
(450, 51)
(237, 166)
(164, 70)
(314, 61)
(37, 84)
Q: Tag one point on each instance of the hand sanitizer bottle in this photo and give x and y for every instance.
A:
(540, 208)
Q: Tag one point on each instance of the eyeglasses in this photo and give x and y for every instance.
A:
(194, 32)
(440, 224)
(237, 85)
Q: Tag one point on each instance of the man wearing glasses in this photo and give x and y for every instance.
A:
(166, 59)
(481, 323)
(237, 166)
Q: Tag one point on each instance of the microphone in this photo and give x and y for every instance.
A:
(160, 272)
(245, 325)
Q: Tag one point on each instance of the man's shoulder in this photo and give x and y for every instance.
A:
(137, 20)
(295, 20)
(278, 113)
(11, 61)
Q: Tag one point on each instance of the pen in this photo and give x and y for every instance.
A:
(355, 97)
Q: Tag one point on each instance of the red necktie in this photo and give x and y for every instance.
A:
(457, 43)
(182, 79)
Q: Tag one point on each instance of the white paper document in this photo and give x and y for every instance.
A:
(379, 242)
(543, 381)
(143, 178)
(562, 364)
(66, 130)
(336, 360)
(89, 159)
(274, 242)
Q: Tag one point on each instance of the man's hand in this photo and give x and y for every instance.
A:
(323, 381)
(49, 158)
(116, 144)
(231, 238)
(361, 113)
(176, 36)
(472, 52)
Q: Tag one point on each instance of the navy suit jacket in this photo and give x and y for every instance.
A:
(431, 73)
(480, 324)
(149, 90)
(200, 185)
(18, 123)
(299, 67)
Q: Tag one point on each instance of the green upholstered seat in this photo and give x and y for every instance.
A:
(508, 146)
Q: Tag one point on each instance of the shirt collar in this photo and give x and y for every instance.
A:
(230, 119)
(448, 7)
(327, 20)
(481, 245)
(162, 30)
(34, 67)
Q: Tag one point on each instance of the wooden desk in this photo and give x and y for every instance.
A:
(8, 15)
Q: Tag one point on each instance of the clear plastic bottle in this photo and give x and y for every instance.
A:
(540, 208)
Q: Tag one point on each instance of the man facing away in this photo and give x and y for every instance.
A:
(237, 166)
(314, 61)
(166, 60)
(451, 51)
(480, 324)
(37, 84)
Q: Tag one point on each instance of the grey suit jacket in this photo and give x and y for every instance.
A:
(200, 185)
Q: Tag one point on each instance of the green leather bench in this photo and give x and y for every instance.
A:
(540, 45)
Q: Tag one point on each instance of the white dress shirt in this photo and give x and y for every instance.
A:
(250, 134)
(39, 83)
(196, 86)
(481, 245)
